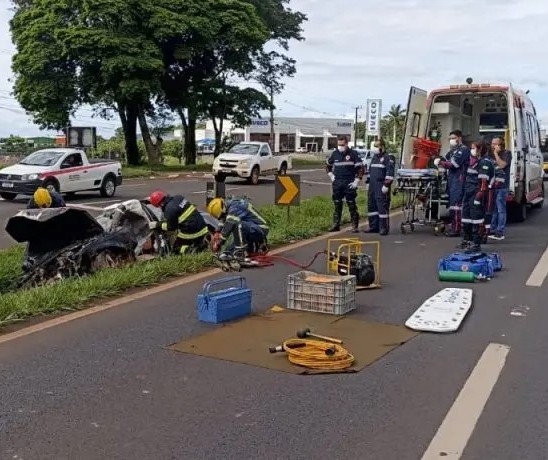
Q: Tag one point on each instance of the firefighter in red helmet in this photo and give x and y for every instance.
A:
(182, 216)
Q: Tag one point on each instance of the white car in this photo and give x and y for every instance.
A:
(63, 170)
(250, 160)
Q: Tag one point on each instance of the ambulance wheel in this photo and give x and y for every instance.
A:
(403, 228)
(412, 227)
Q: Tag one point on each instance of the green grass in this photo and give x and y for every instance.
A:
(129, 172)
(311, 218)
(308, 162)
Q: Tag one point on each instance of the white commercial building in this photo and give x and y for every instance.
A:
(291, 134)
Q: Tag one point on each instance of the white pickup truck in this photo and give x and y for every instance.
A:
(250, 160)
(63, 170)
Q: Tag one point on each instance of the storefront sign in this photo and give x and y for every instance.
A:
(374, 109)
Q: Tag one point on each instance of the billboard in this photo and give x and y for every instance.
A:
(373, 117)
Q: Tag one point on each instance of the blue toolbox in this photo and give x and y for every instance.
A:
(479, 263)
(224, 304)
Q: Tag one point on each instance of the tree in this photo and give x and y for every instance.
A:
(73, 53)
(396, 119)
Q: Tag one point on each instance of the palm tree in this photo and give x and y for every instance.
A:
(396, 117)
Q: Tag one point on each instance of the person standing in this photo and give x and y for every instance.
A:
(456, 162)
(503, 160)
(345, 169)
(480, 176)
(381, 175)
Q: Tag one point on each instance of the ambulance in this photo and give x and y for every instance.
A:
(482, 111)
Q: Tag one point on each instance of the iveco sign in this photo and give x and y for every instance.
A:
(259, 122)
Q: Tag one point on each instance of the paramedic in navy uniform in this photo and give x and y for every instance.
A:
(345, 169)
(456, 162)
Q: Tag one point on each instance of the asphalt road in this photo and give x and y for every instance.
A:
(106, 387)
(313, 182)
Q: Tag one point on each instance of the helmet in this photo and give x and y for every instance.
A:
(216, 207)
(157, 198)
(42, 198)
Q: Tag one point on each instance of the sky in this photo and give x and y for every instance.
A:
(376, 49)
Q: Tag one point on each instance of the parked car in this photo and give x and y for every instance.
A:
(63, 170)
(250, 160)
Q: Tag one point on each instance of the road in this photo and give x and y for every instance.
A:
(105, 386)
(314, 182)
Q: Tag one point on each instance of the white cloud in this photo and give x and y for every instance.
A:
(359, 49)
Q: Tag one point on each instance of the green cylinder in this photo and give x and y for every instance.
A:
(458, 277)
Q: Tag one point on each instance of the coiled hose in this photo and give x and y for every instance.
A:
(317, 355)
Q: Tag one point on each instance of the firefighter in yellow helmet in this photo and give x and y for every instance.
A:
(43, 198)
(241, 220)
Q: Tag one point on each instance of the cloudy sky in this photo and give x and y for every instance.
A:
(359, 49)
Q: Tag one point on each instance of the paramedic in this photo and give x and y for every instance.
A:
(43, 198)
(503, 160)
(456, 162)
(381, 175)
(241, 220)
(345, 169)
(181, 215)
(480, 176)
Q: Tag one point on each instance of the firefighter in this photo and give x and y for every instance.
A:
(43, 198)
(345, 169)
(479, 179)
(181, 215)
(381, 175)
(241, 221)
(456, 162)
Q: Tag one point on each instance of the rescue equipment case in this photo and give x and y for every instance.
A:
(479, 263)
(225, 304)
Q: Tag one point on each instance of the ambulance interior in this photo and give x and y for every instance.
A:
(477, 115)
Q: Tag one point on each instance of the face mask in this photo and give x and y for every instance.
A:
(474, 152)
(453, 142)
(375, 150)
(341, 148)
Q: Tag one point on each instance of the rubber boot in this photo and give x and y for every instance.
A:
(337, 215)
(354, 216)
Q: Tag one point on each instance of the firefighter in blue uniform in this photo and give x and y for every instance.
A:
(456, 162)
(345, 169)
(181, 215)
(479, 180)
(241, 221)
(381, 176)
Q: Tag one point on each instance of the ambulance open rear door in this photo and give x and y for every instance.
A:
(416, 120)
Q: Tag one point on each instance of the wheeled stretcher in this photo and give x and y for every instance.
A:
(424, 192)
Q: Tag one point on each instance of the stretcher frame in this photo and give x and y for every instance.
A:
(424, 196)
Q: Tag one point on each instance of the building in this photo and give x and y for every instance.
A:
(290, 134)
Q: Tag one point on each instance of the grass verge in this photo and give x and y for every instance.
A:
(131, 172)
(310, 219)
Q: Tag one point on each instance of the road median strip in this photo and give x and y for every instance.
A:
(311, 219)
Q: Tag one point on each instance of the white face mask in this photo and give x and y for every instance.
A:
(375, 150)
(341, 148)
(453, 142)
(474, 152)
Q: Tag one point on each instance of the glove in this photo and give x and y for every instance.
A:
(216, 242)
(331, 176)
(384, 189)
(153, 225)
(164, 226)
(354, 185)
(477, 199)
(437, 162)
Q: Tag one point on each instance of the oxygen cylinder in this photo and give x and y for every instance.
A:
(458, 277)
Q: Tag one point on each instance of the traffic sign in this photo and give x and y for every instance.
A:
(288, 190)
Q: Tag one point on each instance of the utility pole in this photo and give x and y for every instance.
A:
(272, 141)
(356, 126)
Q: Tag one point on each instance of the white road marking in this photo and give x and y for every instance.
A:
(227, 189)
(540, 271)
(460, 422)
(84, 206)
(91, 203)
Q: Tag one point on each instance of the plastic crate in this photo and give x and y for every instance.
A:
(225, 304)
(309, 291)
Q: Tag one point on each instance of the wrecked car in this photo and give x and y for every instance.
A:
(67, 242)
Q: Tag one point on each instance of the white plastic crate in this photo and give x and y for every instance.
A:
(309, 291)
